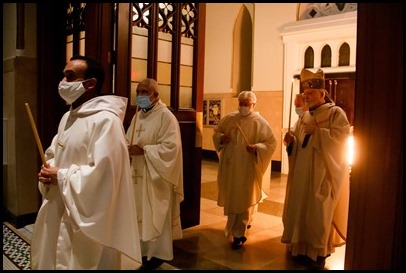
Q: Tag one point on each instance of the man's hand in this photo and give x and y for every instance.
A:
(288, 138)
(251, 148)
(135, 150)
(309, 128)
(48, 175)
(225, 139)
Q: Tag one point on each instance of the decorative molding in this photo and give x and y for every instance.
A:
(315, 10)
(330, 22)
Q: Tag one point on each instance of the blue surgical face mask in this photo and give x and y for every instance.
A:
(143, 101)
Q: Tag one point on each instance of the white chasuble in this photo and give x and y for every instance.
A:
(316, 202)
(158, 179)
(240, 173)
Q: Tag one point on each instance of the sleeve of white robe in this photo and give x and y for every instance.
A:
(164, 164)
(333, 143)
(219, 130)
(164, 159)
(266, 147)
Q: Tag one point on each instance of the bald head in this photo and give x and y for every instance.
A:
(148, 86)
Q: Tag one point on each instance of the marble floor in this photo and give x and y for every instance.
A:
(205, 247)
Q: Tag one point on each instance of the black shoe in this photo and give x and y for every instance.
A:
(238, 242)
(152, 264)
(319, 264)
(300, 259)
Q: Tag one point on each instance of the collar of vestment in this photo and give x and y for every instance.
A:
(314, 108)
(149, 108)
(324, 105)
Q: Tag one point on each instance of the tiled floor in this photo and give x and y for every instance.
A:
(205, 247)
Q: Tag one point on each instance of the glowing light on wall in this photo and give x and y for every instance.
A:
(350, 147)
(350, 156)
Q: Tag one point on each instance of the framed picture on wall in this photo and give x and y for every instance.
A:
(211, 112)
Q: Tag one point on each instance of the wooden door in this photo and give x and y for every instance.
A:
(341, 87)
(143, 34)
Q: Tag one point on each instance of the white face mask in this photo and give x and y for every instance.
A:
(71, 91)
(245, 110)
(299, 111)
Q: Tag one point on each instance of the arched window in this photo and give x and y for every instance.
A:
(242, 51)
(326, 56)
(309, 58)
(344, 55)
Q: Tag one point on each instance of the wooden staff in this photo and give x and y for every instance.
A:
(245, 137)
(34, 129)
(290, 106)
(135, 122)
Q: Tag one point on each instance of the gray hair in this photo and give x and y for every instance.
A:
(247, 95)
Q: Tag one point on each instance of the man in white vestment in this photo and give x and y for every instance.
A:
(316, 202)
(245, 143)
(155, 148)
(88, 217)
